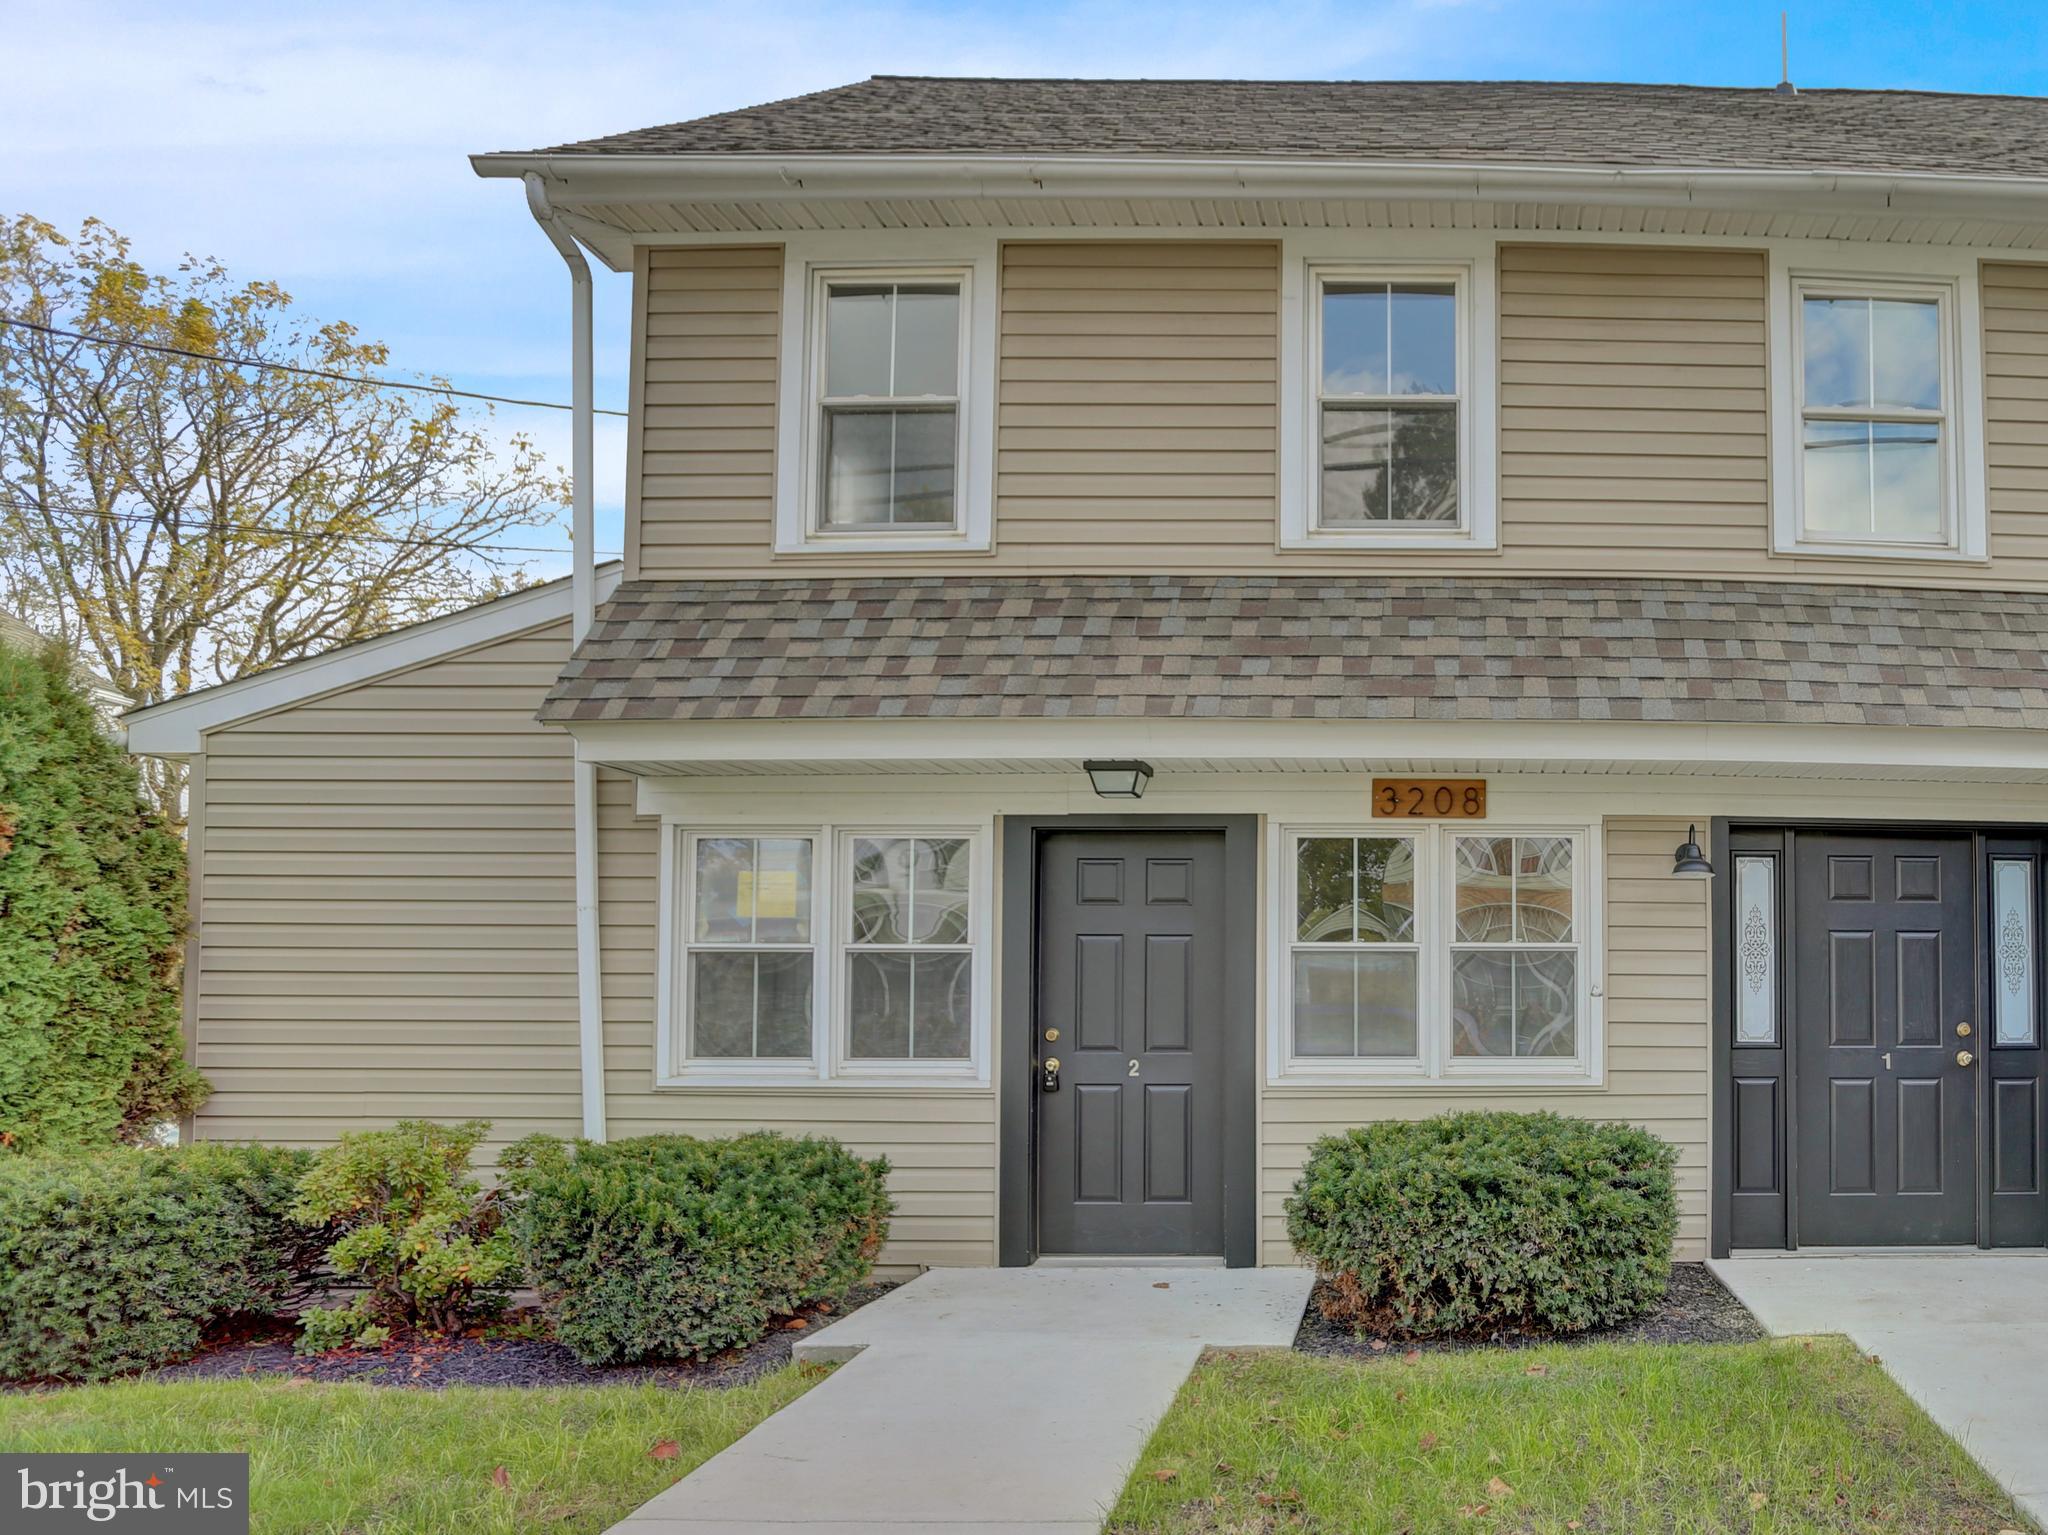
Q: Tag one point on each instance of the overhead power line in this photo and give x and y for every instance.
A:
(429, 542)
(286, 367)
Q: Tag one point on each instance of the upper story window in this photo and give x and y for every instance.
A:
(890, 408)
(1876, 451)
(1386, 403)
(885, 432)
(1873, 416)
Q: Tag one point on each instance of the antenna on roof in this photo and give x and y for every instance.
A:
(1785, 85)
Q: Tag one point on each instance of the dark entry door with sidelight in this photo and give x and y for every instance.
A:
(1886, 1091)
(1130, 1006)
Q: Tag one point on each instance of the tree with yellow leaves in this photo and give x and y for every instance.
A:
(180, 520)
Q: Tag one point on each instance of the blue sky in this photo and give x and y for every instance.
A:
(325, 147)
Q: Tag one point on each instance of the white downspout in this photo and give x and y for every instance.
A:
(583, 603)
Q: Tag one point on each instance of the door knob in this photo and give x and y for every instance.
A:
(1964, 1058)
(1049, 1075)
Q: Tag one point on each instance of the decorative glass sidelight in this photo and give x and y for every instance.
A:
(1756, 949)
(2012, 951)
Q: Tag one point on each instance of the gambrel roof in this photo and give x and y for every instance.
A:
(1508, 123)
(1309, 648)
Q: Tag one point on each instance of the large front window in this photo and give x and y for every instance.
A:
(824, 952)
(1437, 952)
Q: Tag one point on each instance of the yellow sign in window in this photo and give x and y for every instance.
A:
(770, 893)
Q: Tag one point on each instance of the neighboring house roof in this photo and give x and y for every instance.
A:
(1462, 122)
(21, 634)
(176, 727)
(1309, 648)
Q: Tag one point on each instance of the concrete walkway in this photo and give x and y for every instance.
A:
(1965, 1335)
(990, 1401)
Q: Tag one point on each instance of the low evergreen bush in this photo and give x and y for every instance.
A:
(1476, 1222)
(117, 1260)
(423, 1237)
(668, 1247)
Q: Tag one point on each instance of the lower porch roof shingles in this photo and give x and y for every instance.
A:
(1309, 647)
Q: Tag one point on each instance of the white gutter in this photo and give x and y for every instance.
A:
(582, 605)
(580, 180)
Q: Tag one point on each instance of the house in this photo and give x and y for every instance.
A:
(107, 701)
(1165, 619)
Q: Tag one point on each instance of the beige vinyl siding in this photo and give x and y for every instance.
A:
(941, 1143)
(706, 455)
(388, 904)
(2016, 415)
(1138, 418)
(387, 884)
(1657, 1044)
(1138, 405)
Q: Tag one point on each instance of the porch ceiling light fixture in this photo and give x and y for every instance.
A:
(1119, 780)
(1689, 862)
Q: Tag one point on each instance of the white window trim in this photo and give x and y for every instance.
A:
(1947, 276)
(1434, 1066)
(1470, 264)
(828, 1065)
(808, 265)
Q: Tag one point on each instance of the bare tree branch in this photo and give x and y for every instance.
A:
(182, 521)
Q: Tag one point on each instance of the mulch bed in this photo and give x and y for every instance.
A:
(1696, 1309)
(497, 1357)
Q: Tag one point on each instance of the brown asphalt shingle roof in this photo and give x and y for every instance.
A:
(1492, 122)
(1309, 647)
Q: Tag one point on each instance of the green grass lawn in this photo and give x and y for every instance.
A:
(350, 1458)
(1614, 1439)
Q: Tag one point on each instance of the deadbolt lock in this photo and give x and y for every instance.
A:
(1964, 1058)
(1053, 1034)
(1962, 1031)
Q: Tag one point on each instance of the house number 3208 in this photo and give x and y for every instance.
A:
(1448, 799)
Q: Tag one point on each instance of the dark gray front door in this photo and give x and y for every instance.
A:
(1885, 1115)
(1130, 1003)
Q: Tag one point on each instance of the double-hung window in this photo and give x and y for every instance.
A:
(1877, 450)
(889, 404)
(1874, 414)
(824, 953)
(1440, 952)
(1388, 403)
(751, 964)
(885, 394)
(909, 950)
(1355, 948)
(1514, 949)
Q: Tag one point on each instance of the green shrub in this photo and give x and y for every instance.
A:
(666, 1247)
(423, 1236)
(116, 1260)
(1478, 1221)
(92, 918)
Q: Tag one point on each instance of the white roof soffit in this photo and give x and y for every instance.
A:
(588, 179)
(693, 748)
(175, 728)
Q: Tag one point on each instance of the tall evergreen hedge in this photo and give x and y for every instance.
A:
(92, 912)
